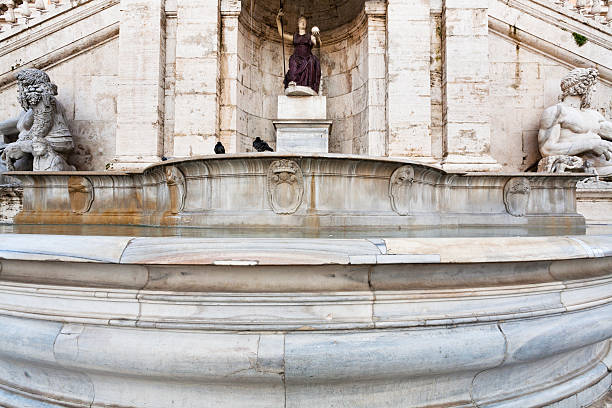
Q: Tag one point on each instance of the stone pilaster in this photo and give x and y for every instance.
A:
(140, 101)
(230, 11)
(465, 87)
(376, 111)
(197, 75)
(409, 82)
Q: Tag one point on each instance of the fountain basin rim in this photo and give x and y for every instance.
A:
(300, 251)
(274, 155)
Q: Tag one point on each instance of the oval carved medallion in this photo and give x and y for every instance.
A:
(400, 189)
(176, 187)
(516, 196)
(285, 185)
(81, 193)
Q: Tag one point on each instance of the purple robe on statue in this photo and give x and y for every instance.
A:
(304, 67)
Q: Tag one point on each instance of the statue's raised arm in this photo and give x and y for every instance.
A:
(279, 25)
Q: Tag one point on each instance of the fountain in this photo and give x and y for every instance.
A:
(377, 318)
(300, 278)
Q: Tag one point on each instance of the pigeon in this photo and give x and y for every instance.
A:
(261, 146)
(219, 149)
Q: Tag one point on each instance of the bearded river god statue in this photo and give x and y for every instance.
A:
(573, 136)
(42, 120)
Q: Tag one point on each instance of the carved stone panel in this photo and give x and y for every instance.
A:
(285, 185)
(81, 193)
(516, 196)
(177, 188)
(400, 189)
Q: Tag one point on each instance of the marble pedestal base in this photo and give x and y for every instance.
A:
(302, 136)
(301, 126)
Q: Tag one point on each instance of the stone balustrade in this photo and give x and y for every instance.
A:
(598, 10)
(18, 14)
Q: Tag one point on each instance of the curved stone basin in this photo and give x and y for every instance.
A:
(271, 191)
(91, 321)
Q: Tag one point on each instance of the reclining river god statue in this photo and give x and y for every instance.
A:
(572, 135)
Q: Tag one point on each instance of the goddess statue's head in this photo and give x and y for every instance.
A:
(579, 82)
(302, 23)
(34, 85)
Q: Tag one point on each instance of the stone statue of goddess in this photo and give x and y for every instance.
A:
(304, 67)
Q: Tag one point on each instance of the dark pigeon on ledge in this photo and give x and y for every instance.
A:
(219, 149)
(261, 146)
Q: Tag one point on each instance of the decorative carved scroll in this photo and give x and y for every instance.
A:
(81, 194)
(516, 196)
(400, 186)
(285, 185)
(177, 188)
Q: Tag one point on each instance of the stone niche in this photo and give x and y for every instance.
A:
(259, 74)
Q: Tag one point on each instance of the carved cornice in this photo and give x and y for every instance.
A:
(61, 54)
(558, 17)
(548, 49)
(69, 49)
(65, 18)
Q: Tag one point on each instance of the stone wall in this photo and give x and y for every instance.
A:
(344, 73)
(523, 84)
(259, 81)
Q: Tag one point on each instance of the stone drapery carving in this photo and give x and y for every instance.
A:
(285, 185)
(516, 196)
(400, 185)
(572, 132)
(41, 122)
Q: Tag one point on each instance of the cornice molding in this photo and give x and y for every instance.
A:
(548, 49)
(565, 20)
(29, 34)
(64, 53)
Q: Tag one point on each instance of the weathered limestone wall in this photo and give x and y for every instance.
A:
(409, 100)
(435, 77)
(523, 84)
(170, 78)
(78, 49)
(345, 78)
(259, 82)
(197, 76)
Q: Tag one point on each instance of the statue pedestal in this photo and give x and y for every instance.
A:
(302, 136)
(302, 126)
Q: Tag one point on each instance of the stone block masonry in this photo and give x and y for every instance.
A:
(140, 102)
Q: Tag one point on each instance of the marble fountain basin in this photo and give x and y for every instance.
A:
(376, 320)
(270, 191)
